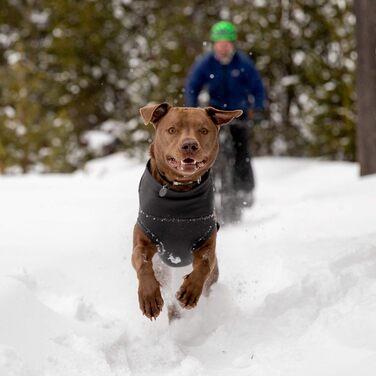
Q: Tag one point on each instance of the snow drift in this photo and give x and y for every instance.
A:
(296, 295)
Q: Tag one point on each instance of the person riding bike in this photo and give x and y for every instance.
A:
(233, 82)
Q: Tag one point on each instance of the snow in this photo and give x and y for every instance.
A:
(97, 140)
(296, 295)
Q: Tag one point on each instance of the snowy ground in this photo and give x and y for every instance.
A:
(296, 296)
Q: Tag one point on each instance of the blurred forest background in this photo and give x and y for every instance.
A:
(74, 73)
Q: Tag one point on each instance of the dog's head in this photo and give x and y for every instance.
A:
(185, 145)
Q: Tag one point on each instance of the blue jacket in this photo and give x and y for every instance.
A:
(237, 85)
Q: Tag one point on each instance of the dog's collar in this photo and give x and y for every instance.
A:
(179, 183)
(165, 187)
(168, 183)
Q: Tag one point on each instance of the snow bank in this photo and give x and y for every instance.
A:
(296, 296)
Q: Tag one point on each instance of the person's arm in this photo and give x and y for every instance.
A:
(255, 86)
(195, 82)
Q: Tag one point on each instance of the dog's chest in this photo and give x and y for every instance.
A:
(179, 222)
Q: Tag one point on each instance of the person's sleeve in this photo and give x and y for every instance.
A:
(256, 86)
(195, 82)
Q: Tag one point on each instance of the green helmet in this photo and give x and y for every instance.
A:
(223, 30)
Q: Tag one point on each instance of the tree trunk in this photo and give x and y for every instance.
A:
(365, 11)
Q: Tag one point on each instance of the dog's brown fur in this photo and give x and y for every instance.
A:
(181, 134)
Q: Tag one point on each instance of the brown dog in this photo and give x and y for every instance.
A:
(176, 219)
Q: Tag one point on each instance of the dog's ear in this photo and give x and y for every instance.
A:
(154, 112)
(220, 117)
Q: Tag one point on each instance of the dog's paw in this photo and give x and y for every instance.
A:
(150, 298)
(189, 292)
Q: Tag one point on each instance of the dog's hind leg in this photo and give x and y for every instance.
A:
(162, 272)
(169, 278)
(204, 266)
(175, 311)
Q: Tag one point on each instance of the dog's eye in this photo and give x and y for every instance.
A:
(204, 131)
(171, 130)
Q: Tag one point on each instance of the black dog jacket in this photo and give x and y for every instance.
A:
(178, 222)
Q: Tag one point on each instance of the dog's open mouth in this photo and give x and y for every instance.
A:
(186, 165)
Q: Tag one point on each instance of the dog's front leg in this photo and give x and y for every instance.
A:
(204, 265)
(149, 292)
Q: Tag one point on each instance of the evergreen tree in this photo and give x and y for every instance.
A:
(68, 67)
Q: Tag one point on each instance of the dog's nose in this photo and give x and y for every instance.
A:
(189, 146)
